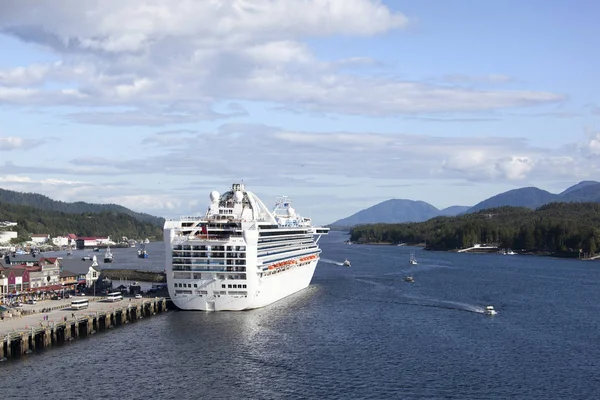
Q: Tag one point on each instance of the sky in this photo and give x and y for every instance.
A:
(338, 104)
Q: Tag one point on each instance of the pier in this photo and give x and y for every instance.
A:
(34, 331)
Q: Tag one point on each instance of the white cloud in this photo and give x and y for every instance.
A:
(17, 143)
(132, 26)
(592, 147)
(488, 78)
(515, 168)
(171, 169)
(157, 57)
(24, 76)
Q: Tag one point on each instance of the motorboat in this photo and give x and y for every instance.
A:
(409, 279)
(489, 310)
(346, 263)
(413, 259)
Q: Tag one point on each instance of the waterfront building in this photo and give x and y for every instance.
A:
(85, 271)
(7, 236)
(95, 241)
(67, 240)
(40, 238)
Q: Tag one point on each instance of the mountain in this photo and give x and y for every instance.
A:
(580, 185)
(453, 210)
(31, 220)
(396, 210)
(532, 197)
(587, 191)
(42, 202)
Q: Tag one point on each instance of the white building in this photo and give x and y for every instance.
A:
(40, 238)
(60, 241)
(6, 236)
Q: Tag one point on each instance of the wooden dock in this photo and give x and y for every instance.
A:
(26, 334)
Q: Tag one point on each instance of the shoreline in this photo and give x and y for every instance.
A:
(484, 250)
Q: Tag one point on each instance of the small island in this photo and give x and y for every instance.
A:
(556, 229)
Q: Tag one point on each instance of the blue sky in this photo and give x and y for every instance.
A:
(339, 104)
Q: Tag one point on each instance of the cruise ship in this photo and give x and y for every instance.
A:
(240, 255)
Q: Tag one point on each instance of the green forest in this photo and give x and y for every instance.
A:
(42, 202)
(31, 220)
(568, 229)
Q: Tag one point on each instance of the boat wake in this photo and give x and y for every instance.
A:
(328, 261)
(446, 305)
(423, 302)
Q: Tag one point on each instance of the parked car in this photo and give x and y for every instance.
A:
(31, 302)
(138, 296)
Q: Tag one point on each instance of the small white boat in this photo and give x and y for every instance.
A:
(413, 259)
(489, 310)
(108, 256)
(346, 263)
(409, 279)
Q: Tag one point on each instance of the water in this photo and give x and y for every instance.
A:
(124, 258)
(358, 332)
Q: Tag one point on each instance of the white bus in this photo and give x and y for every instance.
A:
(79, 304)
(114, 296)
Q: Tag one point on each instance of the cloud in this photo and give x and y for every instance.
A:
(592, 145)
(133, 26)
(24, 76)
(174, 62)
(489, 78)
(178, 168)
(514, 168)
(17, 143)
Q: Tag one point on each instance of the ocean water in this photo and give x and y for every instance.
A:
(356, 333)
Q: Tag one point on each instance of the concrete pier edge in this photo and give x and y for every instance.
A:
(28, 339)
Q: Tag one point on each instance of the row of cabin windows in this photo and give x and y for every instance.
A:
(233, 286)
(208, 248)
(203, 267)
(234, 277)
(213, 254)
(207, 263)
(241, 277)
(189, 285)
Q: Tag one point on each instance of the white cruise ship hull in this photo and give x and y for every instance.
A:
(268, 290)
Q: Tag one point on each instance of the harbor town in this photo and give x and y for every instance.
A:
(29, 272)
(47, 298)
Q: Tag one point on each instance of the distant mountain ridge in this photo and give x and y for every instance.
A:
(395, 211)
(402, 210)
(531, 197)
(42, 202)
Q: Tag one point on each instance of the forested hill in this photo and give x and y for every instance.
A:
(552, 228)
(42, 202)
(32, 220)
